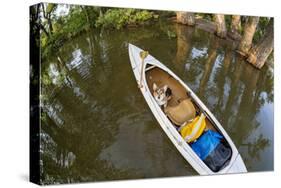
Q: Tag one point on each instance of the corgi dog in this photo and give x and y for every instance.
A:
(162, 94)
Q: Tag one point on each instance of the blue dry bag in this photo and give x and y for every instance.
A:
(206, 143)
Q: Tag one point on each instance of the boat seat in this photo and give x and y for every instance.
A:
(181, 113)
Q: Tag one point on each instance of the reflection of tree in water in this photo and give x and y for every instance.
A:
(68, 134)
(212, 56)
(245, 118)
(72, 139)
(220, 78)
(192, 48)
(235, 87)
(238, 90)
(255, 148)
(238, 106)
(184, 36)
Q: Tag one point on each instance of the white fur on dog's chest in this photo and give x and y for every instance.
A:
(160, 102)
(159, 94)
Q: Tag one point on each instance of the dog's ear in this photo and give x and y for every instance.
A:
(165, 88)
(154, 86)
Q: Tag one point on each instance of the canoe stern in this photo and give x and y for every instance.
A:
(237, 166)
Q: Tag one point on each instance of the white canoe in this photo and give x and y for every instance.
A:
(234, 164)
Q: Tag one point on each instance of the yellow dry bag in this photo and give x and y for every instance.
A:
(192, 131)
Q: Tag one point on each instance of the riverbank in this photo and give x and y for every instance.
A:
(251, 36)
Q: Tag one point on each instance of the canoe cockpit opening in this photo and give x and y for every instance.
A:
(188, 118)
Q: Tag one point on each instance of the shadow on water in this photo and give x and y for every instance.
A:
(96, 125)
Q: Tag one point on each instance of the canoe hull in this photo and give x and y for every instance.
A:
(235, 165)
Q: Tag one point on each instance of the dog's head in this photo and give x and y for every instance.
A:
(161, 94)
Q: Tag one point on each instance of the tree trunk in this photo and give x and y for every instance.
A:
(234, 28)
(220, 26)
(249, 31)
(260, 52)
(186, 18)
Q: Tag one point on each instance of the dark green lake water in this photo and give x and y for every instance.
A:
(98, 126)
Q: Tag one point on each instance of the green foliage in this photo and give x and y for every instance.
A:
(208, 17)
(228, 20)
(74, 23)
(43, 114)
(64, 28)
(164, 14)
(80, 18)
(171, 34)
(45, 78)
(118, 18)
(168, 30)
(50, 7)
